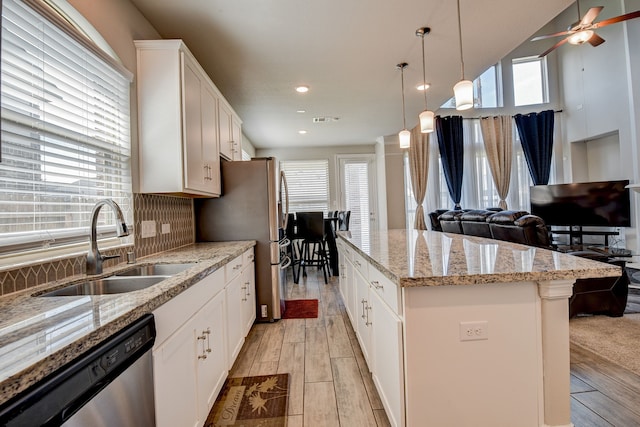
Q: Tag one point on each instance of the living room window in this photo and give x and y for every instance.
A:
(308, 184)
(530, 81)
(65, 130)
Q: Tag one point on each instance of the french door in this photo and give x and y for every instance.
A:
(358, 192)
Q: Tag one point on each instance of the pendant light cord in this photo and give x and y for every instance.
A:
(460, 37)
(424, 74)
(404, 120)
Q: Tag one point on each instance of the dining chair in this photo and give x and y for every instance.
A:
(311, 231)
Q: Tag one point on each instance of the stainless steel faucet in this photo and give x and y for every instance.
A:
(94, 257)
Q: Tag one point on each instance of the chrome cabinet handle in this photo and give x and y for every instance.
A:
(208, 334)
(245, 293)
(367, 322)
(363, 302)
(377, 285)
(203, 355)
(247, 287)
(237, 266)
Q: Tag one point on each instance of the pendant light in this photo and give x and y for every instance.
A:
(426, 117)
(404, 136)
(463, 90)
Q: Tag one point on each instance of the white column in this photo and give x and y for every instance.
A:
(555, 351)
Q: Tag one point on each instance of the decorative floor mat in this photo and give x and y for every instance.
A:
(300, 309)
(251, 402)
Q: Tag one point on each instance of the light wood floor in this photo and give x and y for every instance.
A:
(329, 381)
(330, 384)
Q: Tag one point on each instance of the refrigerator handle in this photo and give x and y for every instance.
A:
(285, 202)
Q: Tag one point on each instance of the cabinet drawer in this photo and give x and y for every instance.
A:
(175, 312)
(346, 250)
(248, 257)
(233, 268)
(386, 289)
(361, 265)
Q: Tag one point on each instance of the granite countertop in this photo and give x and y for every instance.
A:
(40, 334)
(432, 258)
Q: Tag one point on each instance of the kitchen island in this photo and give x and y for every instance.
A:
(38, 335)
(460, 330)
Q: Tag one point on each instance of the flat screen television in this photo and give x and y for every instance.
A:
(604, 203)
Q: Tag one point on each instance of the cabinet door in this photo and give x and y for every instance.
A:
(211, 369)
(210, 152)
(349, 290)
(226, 134)
(194, 169)
(235, 324)
(174, 377)
(363, 330)
(388, 371)
(249, 299)
(236, 138)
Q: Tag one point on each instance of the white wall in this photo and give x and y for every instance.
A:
(599, 88)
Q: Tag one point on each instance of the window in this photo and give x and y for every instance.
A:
(530, 83)
(308, 184)
(486, 90)
(478, 190)
(65, 133)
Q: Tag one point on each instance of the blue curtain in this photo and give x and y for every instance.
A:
(450, 143)
(536, 137)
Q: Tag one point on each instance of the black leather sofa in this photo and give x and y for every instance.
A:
(605, 295)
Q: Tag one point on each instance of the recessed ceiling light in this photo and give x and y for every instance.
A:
(423, 87)
(302, 89)
(301, 111)
(302, 132)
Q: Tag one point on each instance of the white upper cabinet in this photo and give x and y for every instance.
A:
(179, 122)
(230, 133)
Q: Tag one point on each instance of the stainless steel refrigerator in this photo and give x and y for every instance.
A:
(250, 209)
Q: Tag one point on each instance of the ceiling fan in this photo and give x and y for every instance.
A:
(583, 30)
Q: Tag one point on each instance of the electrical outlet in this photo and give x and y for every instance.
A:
(148, 229)
(166, 228)
(473, 331)
(263, 308)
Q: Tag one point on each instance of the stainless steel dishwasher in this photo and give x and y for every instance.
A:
(110, 385)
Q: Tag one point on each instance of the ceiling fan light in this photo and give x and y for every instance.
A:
(405, 138)
(580, 37)
(426, 121)
(463, 92)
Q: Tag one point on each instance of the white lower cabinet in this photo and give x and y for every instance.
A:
(363, 325)
(241, 303)
(374, 307)
(191, 358)
(248, 299)
(174, 380)
(386, 352)
(211, 368)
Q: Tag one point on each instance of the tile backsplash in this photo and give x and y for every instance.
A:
(177, 212)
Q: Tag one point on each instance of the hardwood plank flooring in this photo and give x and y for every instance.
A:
(330, 384)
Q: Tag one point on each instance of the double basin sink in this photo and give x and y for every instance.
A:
(133, 279)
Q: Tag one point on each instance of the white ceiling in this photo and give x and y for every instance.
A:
(257, 51)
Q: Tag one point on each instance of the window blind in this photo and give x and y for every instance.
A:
(65, 134)
(308, 184)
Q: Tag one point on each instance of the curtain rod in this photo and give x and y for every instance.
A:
(482, 117)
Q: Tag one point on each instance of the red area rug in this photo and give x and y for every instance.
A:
(300, 309)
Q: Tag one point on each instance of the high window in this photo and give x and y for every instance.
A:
(487, 90)
(65, 131)
(530, 82)
(308, 184)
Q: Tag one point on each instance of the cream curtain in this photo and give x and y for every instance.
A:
(419, 169)
(497, 133)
